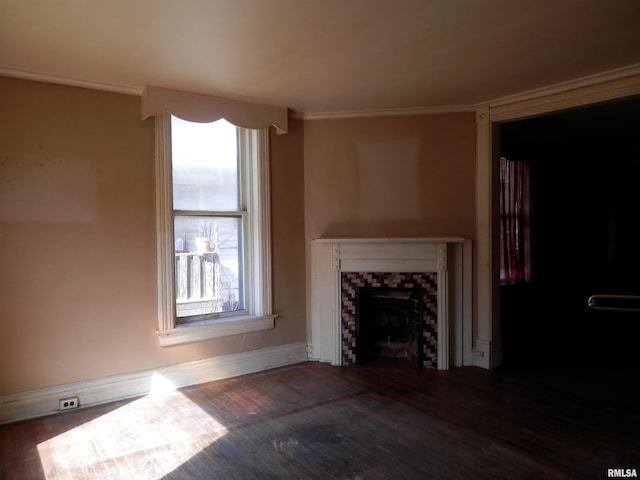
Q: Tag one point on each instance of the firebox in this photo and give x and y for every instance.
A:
(389, 323)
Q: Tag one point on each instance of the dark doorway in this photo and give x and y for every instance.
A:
(585, 167)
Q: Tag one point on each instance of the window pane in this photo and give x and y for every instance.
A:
(205, 165)
(208, 255)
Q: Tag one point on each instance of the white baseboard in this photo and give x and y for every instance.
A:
(482, 353)
(45, 401)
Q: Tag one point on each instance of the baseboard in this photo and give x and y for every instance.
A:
(45, 401)
(482, 353)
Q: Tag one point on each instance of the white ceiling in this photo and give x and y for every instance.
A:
(321, 56)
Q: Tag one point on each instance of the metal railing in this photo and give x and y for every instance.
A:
(198, 283)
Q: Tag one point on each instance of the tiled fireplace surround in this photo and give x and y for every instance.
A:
(350, 283)
(441, 266)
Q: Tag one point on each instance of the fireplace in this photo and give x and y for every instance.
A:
(342, 270)
(389, 324)
(389, 314)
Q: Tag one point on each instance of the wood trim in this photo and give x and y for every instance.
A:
(390, 112)
(556, 102)
(598, 88)
(331, 257)
(164, 224)
(467, 303)
(605, 86)
(443, 307)
(501, 105)
(262, 224)
(233, 325)
(255, 186)
(44, 401)
(71, 82)
(460, 303)
(484, 251)
(197, 107)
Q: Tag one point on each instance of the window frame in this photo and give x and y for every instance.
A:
(253, 148)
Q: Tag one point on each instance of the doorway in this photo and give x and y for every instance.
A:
(585, 167)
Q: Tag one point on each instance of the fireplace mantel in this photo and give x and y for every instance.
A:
(449, 257)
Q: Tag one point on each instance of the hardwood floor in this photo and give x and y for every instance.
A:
(382, 420)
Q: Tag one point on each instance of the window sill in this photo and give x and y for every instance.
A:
(215, 329)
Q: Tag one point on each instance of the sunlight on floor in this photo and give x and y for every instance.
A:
(165, 425)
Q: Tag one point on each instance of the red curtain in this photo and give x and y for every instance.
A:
(515, 221)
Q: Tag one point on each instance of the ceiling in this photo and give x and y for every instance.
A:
(321, 56)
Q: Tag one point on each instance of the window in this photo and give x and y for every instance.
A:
(515, 221)
(208, 219)
(212, 182)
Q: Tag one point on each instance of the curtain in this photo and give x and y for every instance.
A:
(515, 221)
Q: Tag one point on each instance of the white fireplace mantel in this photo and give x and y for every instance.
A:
(449, 257)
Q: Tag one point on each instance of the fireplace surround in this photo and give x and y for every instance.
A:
(441, 266)
(356, 287)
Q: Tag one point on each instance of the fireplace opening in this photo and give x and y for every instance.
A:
(389, 324)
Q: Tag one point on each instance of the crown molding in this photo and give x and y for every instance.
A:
(71, 82)
(501, 108)
(600, 87)
(390, 112)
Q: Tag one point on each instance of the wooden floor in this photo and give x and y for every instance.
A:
(384, 420)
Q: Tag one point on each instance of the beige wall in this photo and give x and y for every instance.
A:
(287, 221)
(401, 176)
(390, 176)
(77, 241)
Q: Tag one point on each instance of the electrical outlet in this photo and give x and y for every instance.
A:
(69, 403)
